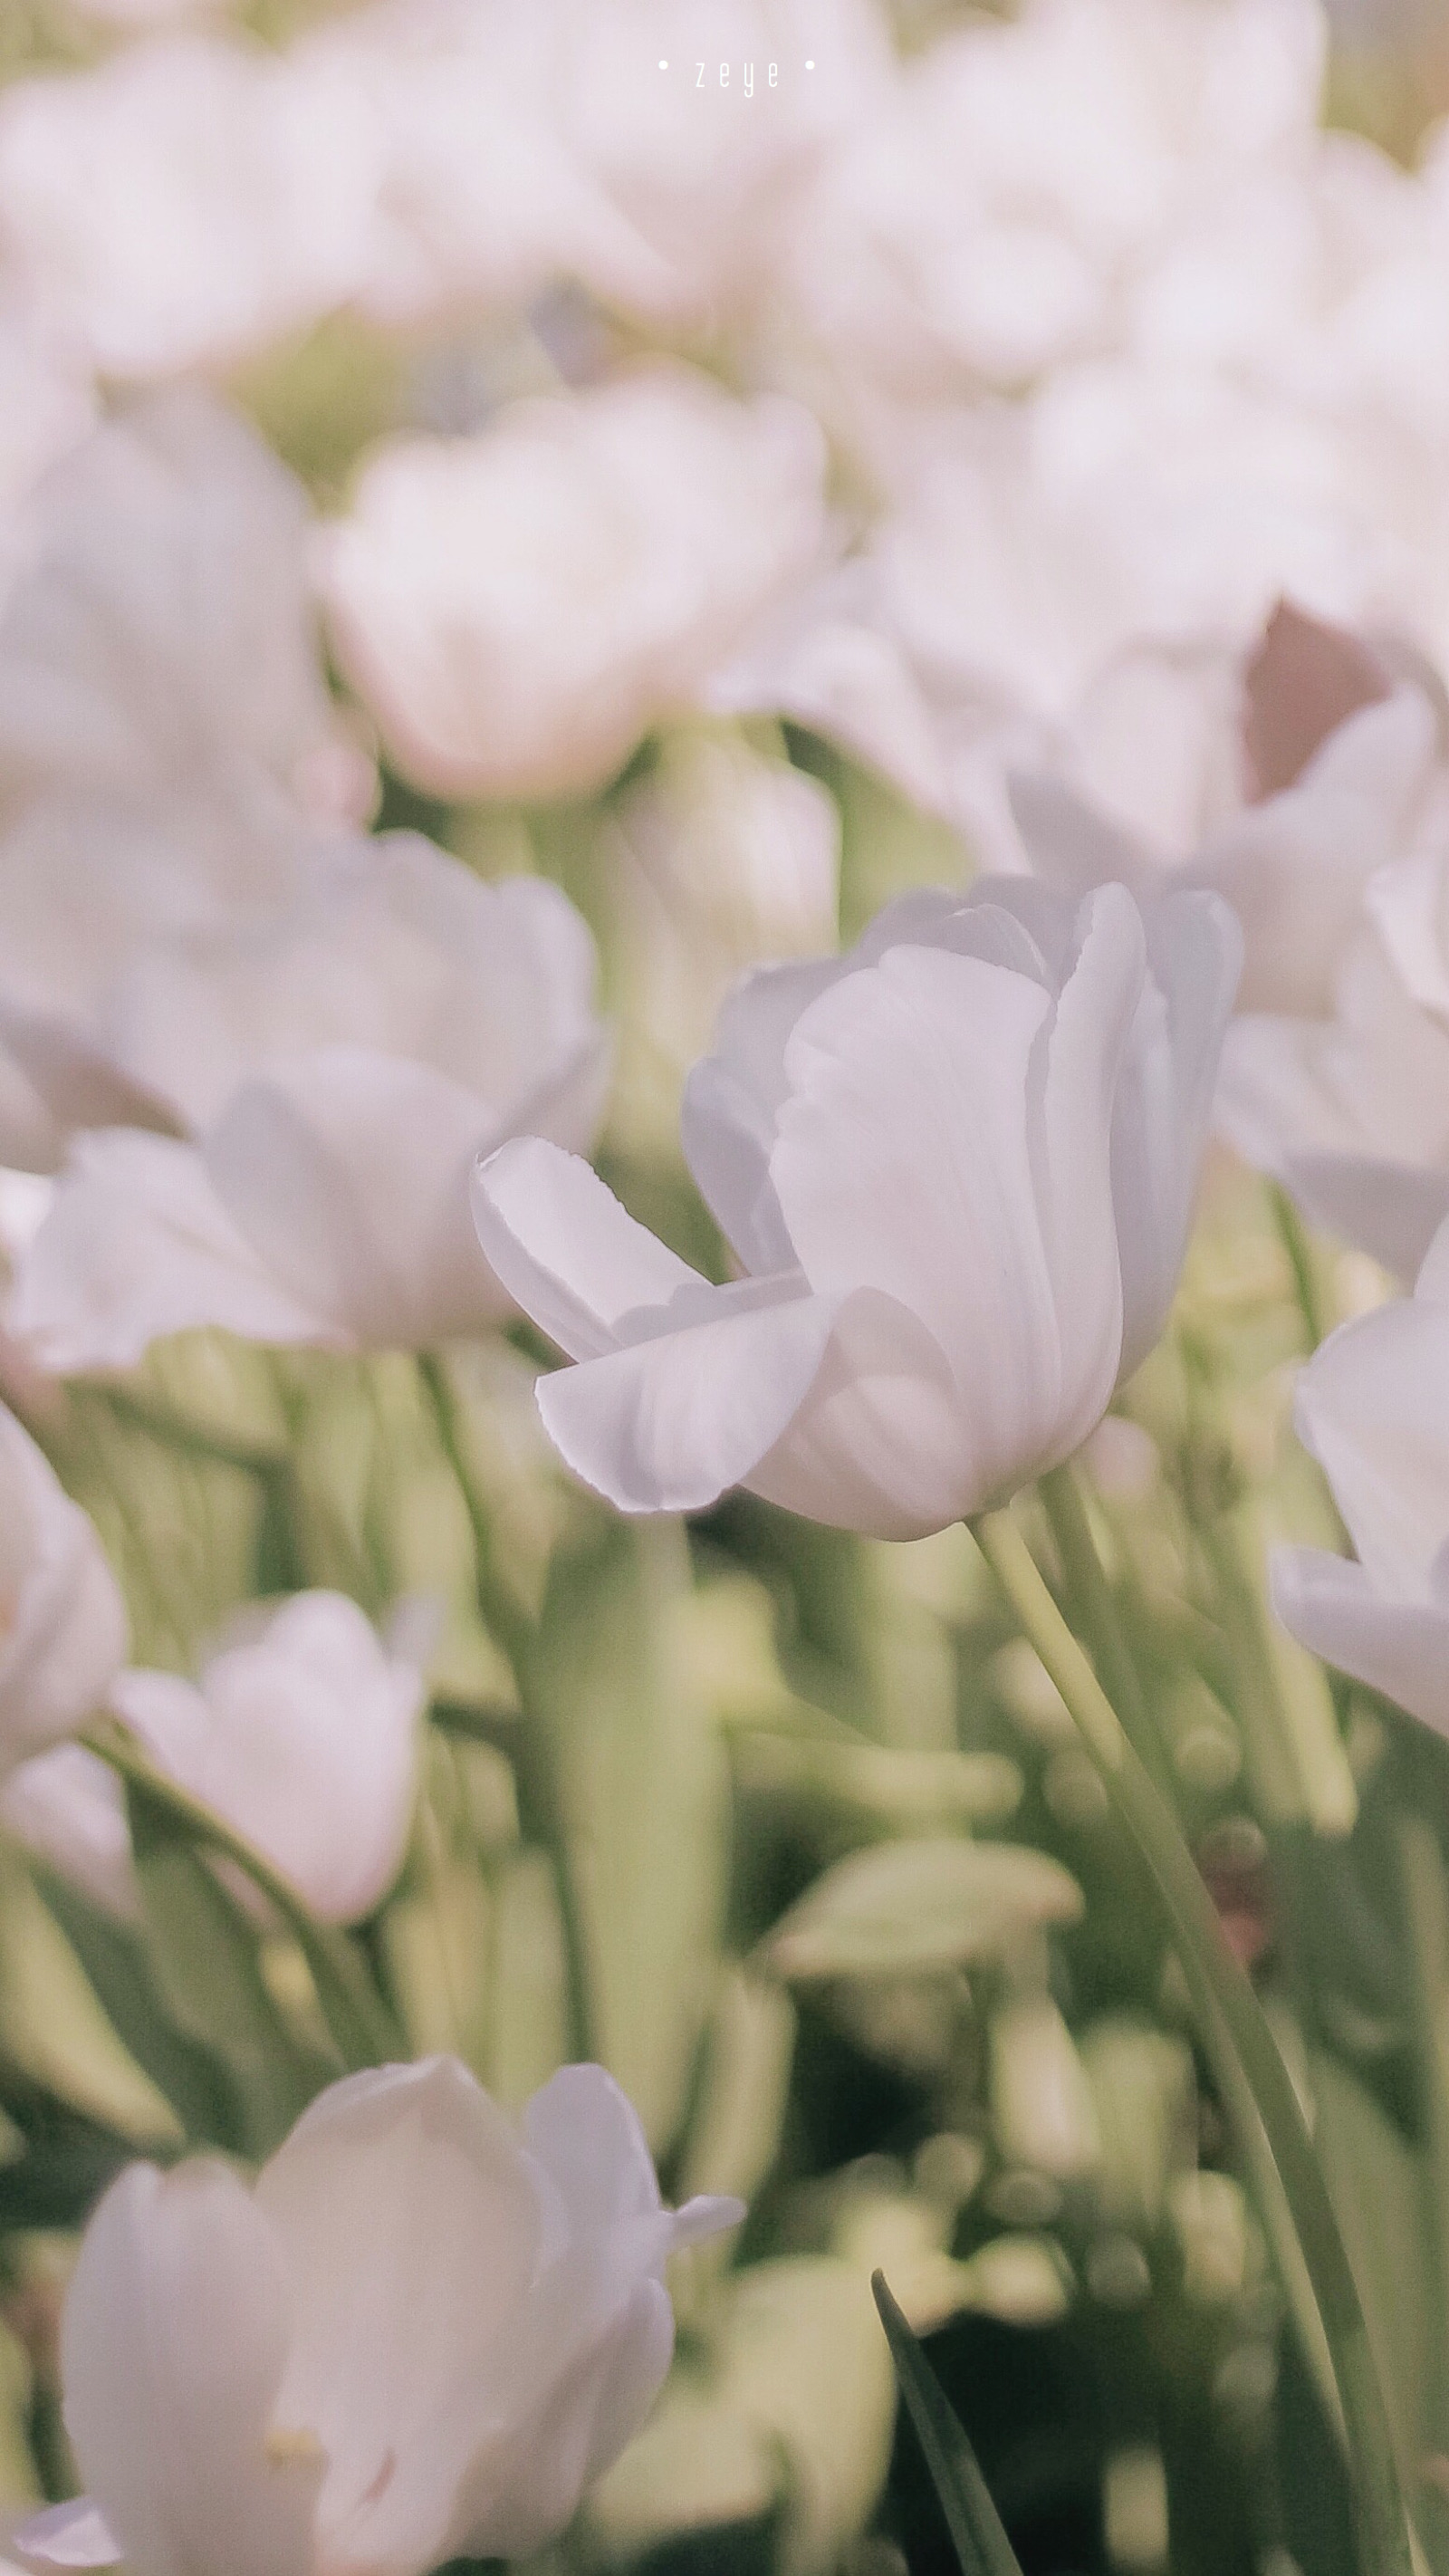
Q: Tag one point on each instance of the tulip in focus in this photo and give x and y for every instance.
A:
(956, 1168)
(62, 1620)
(420, 2336)
(1373, 1408)
(518, 608)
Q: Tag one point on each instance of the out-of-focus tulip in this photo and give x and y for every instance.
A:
(721, 861)
(157, 253)
(519, 607)
(1351, 1113)
(62, 1620)
(302, 1734)
(68, 1808)
(956, 1167)
(421, 2335)
(169, 758)
(1373, 1407)
(342, 1075)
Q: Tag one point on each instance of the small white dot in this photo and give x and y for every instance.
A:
(664, 67)
(810, 67)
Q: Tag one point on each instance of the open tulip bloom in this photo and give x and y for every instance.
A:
(956, 1168)
(420, 2335)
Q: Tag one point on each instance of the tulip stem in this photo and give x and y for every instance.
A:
(1087, 1582)
(1257, 2092)
(540, 1800)
(1424, 1887)
(1293, 1236)
(360, 2024)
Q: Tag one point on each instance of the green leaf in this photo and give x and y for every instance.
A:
(193, 2077)
(904, 1908)
(643, 1791)
(977, 2531)
(207, 1959)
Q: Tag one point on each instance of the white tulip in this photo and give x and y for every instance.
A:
(421, 2335)
(1351, 1112)
(340, 1074)
(155, 255)
(68, 1808)
(1373, 1408)
(62, 1619)
(517, 608)
(956, 1167)
(301, 1732)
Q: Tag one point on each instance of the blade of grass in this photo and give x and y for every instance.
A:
(978, 2533)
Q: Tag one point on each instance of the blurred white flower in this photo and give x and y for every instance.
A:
(1341, 773)
(957, 1169)
(1350, 1112)
(300, 1732)
(167, 743)
(519, 607)
(438, 2333)
(720, 861)
(183, 203)
(62, 1619)
(68, 1808)
(1373, 1409)
(341, 1072)
(983, 225)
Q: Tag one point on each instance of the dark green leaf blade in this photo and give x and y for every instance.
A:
(977, 2531)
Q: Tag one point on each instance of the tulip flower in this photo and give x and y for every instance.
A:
(301, 1732)
(420, 2336)
(62, 1619)
(517, 608)
(340, 1076)
(68, 1808)
(1373, 1408)
(956, 1168)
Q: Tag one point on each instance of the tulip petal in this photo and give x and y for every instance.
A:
(347, 1171)
(1085, 1049)
(1164, 1100)
(1395, 1646)
(882, 1441)
(1373, 1408)
(137, 1245)
(172, 2350)
(585, 2132)
(565, 1249)
(411, 2222)
(70, 2535)
(1390, 1210)
(671, 1421)
(902, 1165)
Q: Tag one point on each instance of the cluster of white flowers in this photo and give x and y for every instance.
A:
(1046, 423)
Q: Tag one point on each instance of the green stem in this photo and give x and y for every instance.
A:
(540, 1799)
(1294, 1239)
(355, 2013)
(1292, 2196)
(1424, 1887)
(1088, 1585)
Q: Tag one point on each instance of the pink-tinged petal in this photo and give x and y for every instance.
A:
(671, 1421)
(411, 2222)
(138, 1245)
(1304, 680)
(564, 1248)
(69, 1809)
(173, 2345)
(1390, 1210)
(70, 2535)
(1373, 1409)
(1072, 843)
(64, 1627)
(902, 1164)
(1397, 1646)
